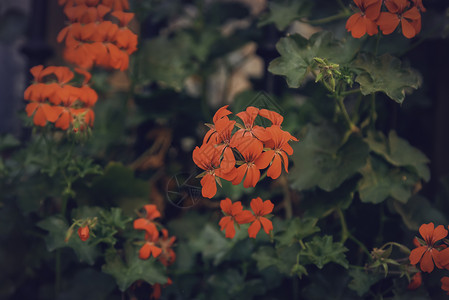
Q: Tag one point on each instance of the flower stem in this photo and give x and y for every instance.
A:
(342, 15)
(342, 107)
(344, 228)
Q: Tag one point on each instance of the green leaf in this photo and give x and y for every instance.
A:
(8, 141)
(212, 244)
(57, 228)
(319, 160)
(362, 281)
(283, 258)
(297, 54)
(380, 182)
(283, 13)
(322, 250)
(298, 229)
(385, 74)
(399, 152)
(133, 268)
(318, 203)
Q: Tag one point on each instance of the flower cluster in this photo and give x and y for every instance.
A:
(432, 250)
(234, 213)
(55, 98)
(89, 40)
(155, 245)
(369, 17)
(238, 151)
(92, 40)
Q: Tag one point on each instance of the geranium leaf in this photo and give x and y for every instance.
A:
(399, 152)
(385, 74)
(319, 160)
(133, 268)
(380, 182)
(297, 53)
(284, 13)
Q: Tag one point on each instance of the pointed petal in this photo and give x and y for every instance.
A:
(274, 171)
(416, 254)
(209, 186)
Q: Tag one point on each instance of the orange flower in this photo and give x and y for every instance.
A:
(149, 248)
(445, 284)
(364, 21)
(278, 153)
(250, 148)
(260, 209)
(83, 233)
(234, 213)
(397, 13)
(427, 254)
(168, 256)
(207, 157)
(211, 135)
(415, 282)
(248, 128)
(157, 291)
(146, 223)
(224, 128)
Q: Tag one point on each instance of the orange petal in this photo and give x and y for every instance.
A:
(244, 217)
(252, 177)
(416, 254)
(151, 212)
(274, 171)
(209, 186)
(145, 251)
(267, 207)
(264, 159)
(226, 206)
(407, 29)
(388, 22)
(253, 230)
(426, 263)
(257, 206)
(266, 224)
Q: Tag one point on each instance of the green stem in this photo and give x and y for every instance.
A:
(344, 228)
(287, 199)
(341, 15)
(342, 5)
(354, 91)
(342, 107)
(377, 43)
(360, 244)
(373, 111)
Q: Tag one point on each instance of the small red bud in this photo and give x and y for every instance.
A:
(83, 233)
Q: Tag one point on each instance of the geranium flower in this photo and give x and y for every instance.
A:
(157, 289)
(150, 248)
(250, 148)
(397, 13)
(278, 153)
(146, 223)
(211, 135)
(207, 157)
(415, 282)
(364, 21)
(427, 254)
(83, 233)
(260, 209)
(445, 284)
(248, 117)
(234, 213)
(168, 256)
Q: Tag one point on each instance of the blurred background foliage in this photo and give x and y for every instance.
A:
(194, 57)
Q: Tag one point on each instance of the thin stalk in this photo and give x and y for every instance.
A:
(341, 15)
(342, 107)
(344, 227)
(373, 111)
(354, 91)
